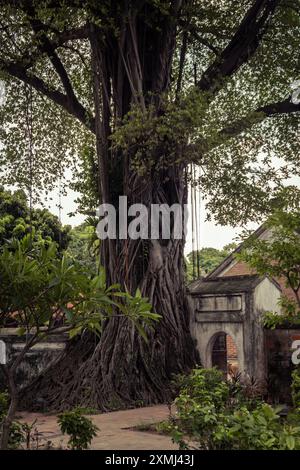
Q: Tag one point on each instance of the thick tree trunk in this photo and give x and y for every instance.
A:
(132, 69)
(124, 370)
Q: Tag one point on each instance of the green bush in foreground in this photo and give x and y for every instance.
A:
(80, 429)
(16, 434)
(296, 388)
(216, 414)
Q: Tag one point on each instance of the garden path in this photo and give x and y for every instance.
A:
(116, 429)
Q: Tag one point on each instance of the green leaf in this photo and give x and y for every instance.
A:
(21, 331)
(75, 331)
(290, 442)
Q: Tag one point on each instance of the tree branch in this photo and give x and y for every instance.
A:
(74, 107)
(19, 69)
(270, 110)
(71, 35)
(242, 46)
(191, 29)
(32, 53)
(257, 116)
(45, 45)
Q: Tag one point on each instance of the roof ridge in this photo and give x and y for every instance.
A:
(229, 258)
(237, 276)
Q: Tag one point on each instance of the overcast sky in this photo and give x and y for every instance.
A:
(211, 235)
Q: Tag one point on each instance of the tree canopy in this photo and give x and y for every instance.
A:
(208, 258)
(84, 245)
(17, 220)
(228, 104)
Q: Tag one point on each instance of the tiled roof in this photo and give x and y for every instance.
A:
(224, 285)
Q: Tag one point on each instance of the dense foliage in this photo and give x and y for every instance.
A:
(226, 97)
(17, 219)
(207, 259)
(84, 246)
(216, 414)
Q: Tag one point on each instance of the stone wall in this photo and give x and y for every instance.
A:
(37, 359)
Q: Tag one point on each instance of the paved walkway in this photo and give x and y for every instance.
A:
(115, 429)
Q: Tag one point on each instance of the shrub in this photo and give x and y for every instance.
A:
(4, 402)
(217, 414)
(296, 388)
(259, 429)
(16, 434)
(80, 429)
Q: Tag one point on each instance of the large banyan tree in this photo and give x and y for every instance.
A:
(132, 94)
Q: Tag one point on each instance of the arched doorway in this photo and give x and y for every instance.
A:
(224, 355)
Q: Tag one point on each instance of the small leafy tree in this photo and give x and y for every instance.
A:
(46, 294)
(279, 257)
(80, 429)
(17, 219)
